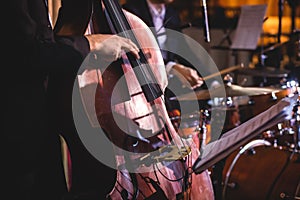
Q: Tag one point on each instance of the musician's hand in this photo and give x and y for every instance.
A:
(188, 76)
(110, 47)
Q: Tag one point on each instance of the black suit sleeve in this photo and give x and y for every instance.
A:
(31, 44)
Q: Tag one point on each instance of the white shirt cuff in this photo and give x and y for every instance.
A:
(169, 66)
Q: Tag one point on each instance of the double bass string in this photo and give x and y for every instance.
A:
(118, 23)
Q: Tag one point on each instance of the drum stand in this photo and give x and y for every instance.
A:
(296, 117)
(202, 130)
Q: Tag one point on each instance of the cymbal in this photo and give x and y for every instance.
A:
(230, 90)
(270, 72)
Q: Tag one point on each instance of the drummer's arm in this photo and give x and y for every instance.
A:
(187, 75)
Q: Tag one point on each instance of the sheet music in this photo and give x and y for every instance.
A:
(249, 27)
(231, 140)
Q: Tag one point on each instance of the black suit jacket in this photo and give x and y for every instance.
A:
(171, 21)
(32, 52)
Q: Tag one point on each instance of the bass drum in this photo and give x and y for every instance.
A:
(261, 171)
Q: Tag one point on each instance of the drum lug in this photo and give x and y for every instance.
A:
(252, 151)
(273, 96)
(251, 102)
(283, 195)
(232, 185)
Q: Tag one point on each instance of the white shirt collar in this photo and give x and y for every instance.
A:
(155, 12)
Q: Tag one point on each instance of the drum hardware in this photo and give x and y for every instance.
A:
(251, 151)
(296, 117)
(289, 132)
(201, 134)
(268, 134)
(286, 196)
(283, 137)
(228, 79)
(284, 134)
(193, 126)
(232, 185)
(201, 129)
(291, 84)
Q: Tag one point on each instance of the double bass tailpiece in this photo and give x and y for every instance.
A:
(165, 153)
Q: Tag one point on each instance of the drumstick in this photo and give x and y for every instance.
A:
(230, 69)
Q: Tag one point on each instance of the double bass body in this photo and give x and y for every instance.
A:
(157, 162)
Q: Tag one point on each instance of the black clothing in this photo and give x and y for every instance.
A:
(31, 156)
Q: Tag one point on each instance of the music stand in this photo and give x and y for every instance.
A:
(233, 139)
(248, 29)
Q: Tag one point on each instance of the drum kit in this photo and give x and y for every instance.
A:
(267, 167)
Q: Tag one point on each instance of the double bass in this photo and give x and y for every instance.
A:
(152, 161)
